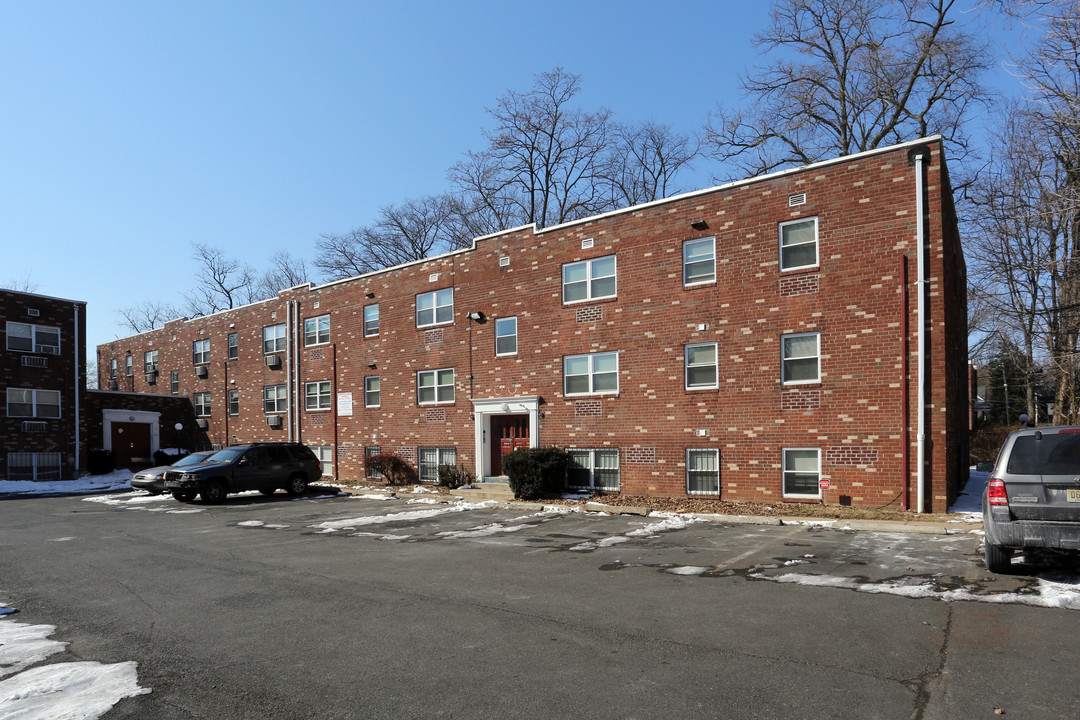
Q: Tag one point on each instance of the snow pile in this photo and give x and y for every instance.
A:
(483, 531)
(116, 480)
(25, 645)
(405, 516)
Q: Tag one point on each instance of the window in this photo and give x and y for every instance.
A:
(234, 346)
(432, 458)
(274, 338)
(589, 280)
(703, 472)
(274, 399)
(802, 472)
(435, 308)
(174, 382)
(372, 391)
(371, 451)
(506, 336)
(593, 469)
(33, 403)
(699, 261)
(128, 364)
(317, 330)
(435, 386)
(798, 244)
(150, 361)
(326, 457)
(202, 404)
(34, 466)
(701, 371)
(591, 374)
(800, 358)
(25, 337)
(200, 351)
(112, 368)
(234, 402)
(317, 395)
(371, 320)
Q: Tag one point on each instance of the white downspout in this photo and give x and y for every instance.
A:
(920, 286)
(288, 367)
(298, 395)
(78, 391)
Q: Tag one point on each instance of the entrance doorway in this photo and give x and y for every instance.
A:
(131, 443)
(508, 432)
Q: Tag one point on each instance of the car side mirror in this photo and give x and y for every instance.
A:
(243, 461)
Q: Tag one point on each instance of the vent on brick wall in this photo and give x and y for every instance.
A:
(33, 312)
(35, 426)
(433, 277)
(504, 261)
(586, 243)
(794, 200)
(34, 361)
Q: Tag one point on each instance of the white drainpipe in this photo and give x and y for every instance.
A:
(920, 285)
(78, 390)
(289, 399)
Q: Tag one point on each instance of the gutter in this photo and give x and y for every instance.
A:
(916, 157)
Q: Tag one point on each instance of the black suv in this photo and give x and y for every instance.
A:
(259, 466)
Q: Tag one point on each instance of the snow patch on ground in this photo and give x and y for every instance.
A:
(483, 531)
(371, 496)
(404, 516)
(688, 570)
(603, 542)
(23, 645)
(116, 480)
(72, 691)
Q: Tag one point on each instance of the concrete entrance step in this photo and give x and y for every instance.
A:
(486, 491)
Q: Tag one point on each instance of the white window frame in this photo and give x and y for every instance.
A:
(233, 347)
(314, 331)
(36, 402)
(499, 335)
(371, 324)
(320, 400)
(591, 374)
(112, 368)
(816, 243)
(687, 366)
(784, 359)
(275, 339)
(443, 456)
(436, 386)
(150, 361)
(279, 397)
(438, 302)
(40, 468)
(715, 452)
(325, 453)
(129, 365)
(32, 336)
(368, 392)
(590, 279)
(202, 403)
(712, 258)
(784, 473)
(592, 469)
(230, 397)
(200, 352)
(174, 382)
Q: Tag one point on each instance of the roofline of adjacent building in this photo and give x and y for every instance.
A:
(43, 297)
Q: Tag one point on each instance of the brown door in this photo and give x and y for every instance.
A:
(509, 432)
(131, 443)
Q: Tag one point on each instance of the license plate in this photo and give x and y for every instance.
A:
(176, 484)
(1073, 495)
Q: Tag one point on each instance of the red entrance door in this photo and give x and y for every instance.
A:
(131, 443)
(509, 433)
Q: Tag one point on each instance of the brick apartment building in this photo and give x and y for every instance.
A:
(756, 341)
(43, 380)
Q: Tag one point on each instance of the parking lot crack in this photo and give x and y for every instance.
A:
(930, 680)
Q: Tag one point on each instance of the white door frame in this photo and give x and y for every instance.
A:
(485, 408)
(153, 419)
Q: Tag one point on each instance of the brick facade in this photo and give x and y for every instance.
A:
(857, 414)
(42, 351)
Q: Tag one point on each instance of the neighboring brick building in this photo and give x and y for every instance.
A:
(754, 341)
(42, 381)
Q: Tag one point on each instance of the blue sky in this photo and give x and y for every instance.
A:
(131, 130)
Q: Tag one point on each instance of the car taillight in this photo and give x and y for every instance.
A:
(995, 492)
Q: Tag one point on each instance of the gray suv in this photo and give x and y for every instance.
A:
(1032, 498)
(265, 467)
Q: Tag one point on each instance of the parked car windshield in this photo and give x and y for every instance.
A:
(226, 455)
(191, 459)
(1051, 454)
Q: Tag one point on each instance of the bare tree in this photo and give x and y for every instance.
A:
(546, 160)
(645, 160)
(286, 271)
(850, 76)
(24, 284)
(221, 284)
(147, 315)
(412, 230)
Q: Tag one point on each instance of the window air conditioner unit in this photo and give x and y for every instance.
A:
(113, 385)
(200, 372)
(273, 361)
(151, 378)
(34, 426)
(273, 421)
(47, 349)
(34, 361)
(202, 423)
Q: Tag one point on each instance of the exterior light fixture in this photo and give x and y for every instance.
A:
(369, 295)
(478, 316)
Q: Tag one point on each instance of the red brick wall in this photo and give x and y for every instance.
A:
(866, 214)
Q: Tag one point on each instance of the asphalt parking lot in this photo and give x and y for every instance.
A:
(351, 607)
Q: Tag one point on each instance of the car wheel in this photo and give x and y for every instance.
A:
(998, 558)
(297, 485)
(184, 495)
(267, 491)
(214, 492)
